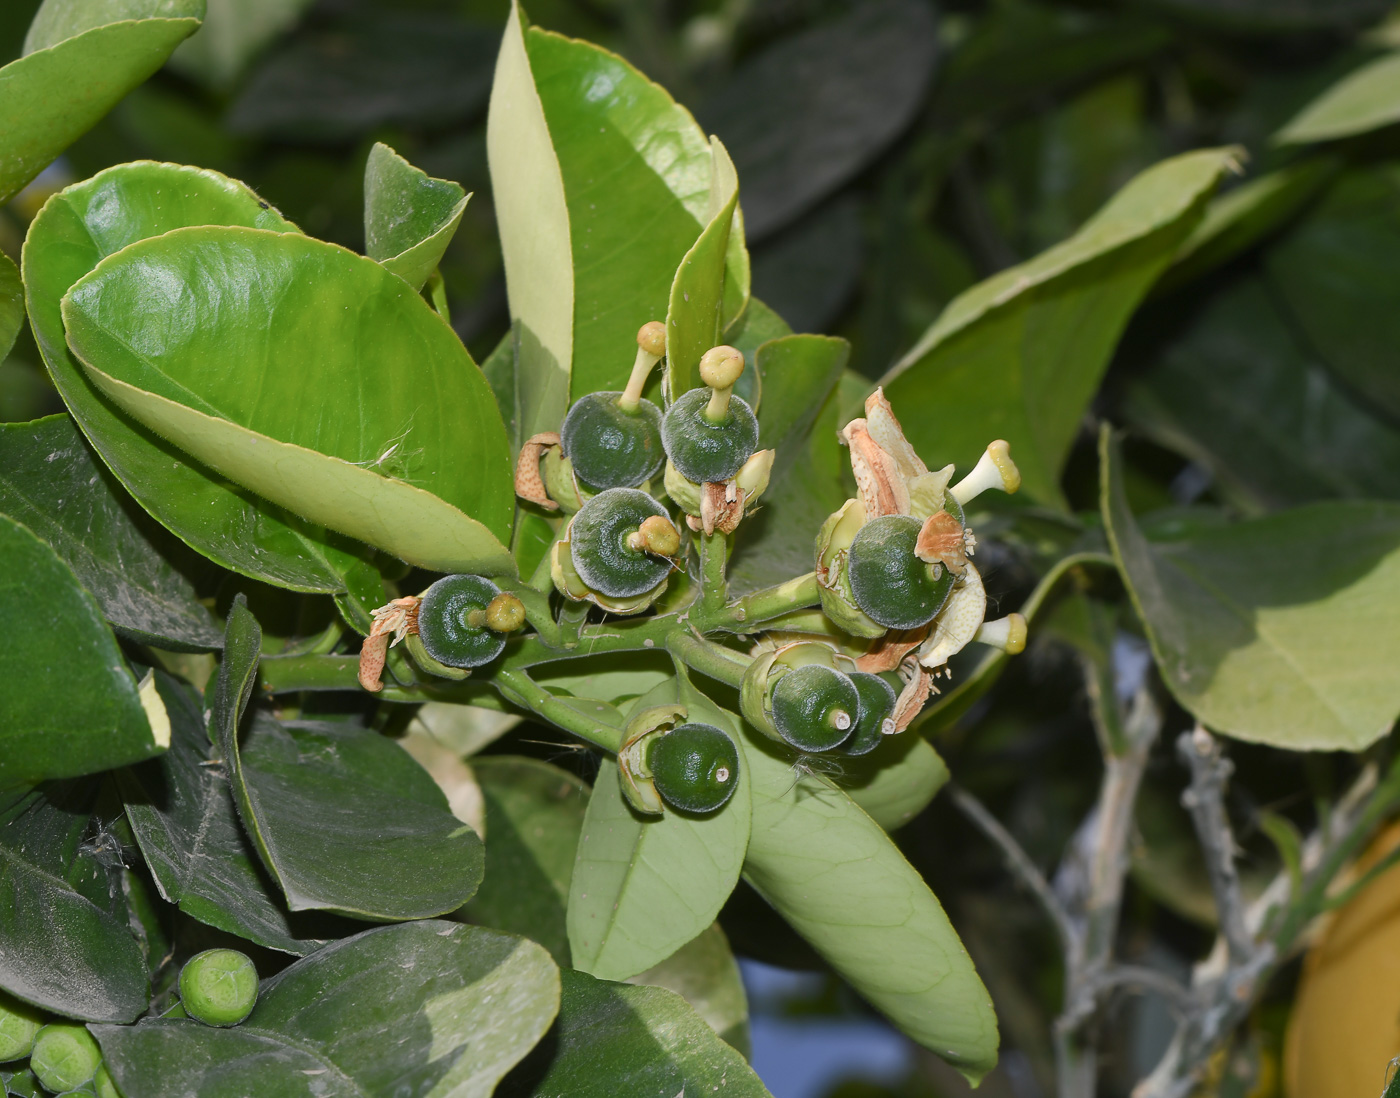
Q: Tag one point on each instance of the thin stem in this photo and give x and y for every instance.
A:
(709, 658)
(714, 549)
(570, 714)
(772, 602)
(285, 674)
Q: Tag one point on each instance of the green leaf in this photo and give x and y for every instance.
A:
(215, 336)
(1336, 273)
(1282, 630)
(836, 877)
(64, 85)
(431, 1009)
(233, 32)
(532, 218)
(695, 312)
(805, 115)
(11, 304)
(65, 948)
(644, 886)
(1364, 100)
(705, 974)
(1235, 390)
(75, 230)
(534, 816)
(799, 373)
(1020, 355)
(621, 154)
(410, 217)
(182, 813)
(652, 1043)
(50, 481)
(1277, 15)
(70, 706)
(896, 781)
(342, 817)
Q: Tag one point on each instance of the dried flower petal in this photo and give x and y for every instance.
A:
(878, 476)
(889, 435)
(529, 485)
(889, 651)
(941, 539)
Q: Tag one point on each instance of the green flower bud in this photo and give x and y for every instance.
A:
(453, 625)
(686, 493)
(611, 446)
(888, 582)
(833, 579)
(815, 707)
(19, 1023)
(876, 719)
(695, 767)
(704, 450)
(102, 1084)
(219, 987)
(616, 551)
(64, 1057)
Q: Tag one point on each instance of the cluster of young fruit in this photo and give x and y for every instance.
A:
(891, 566)
(217, 987)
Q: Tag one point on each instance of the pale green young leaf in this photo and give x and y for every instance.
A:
(705, 974)
(410, 217)
(234, 32)
(1364, 100)
(896, 781)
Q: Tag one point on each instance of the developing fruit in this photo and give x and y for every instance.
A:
(876, 719)
(19, 1022)
(463, 620)
(64, 1057)
(815, 707)
(621, 541)
(709, 434)
(695, 767)
(889, 583)
(219, 987)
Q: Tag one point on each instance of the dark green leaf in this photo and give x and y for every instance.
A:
(182, 812)
(705, 974)
(11, 304)
(799, 373)
(431, 1009)
(1336, 272)
(63, 87)
(72, 234)
(652, 1043)
(50, 481)
(534, 815)
(805, 115)
(1020, 355)
(65, 947)
(1283, 630)
(1277, 15)
(810, 271)
(410, 217)
(233, 32)
(70, 706)
(284, 316)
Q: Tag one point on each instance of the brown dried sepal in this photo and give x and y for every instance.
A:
(529, 485)
(918, 685)
(889, 651)
(721, 507)
(941, 540)
(392, 622)
(884, 428)
(878, 476)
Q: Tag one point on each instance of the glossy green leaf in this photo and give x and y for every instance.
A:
(64, 85)
(812, 270)
(427, 480)
(836, 877)
(11, 304)
(1335, 272)
(805, 115)
(534, 816)
(653, 1045)
(76, 229)
(799, 373)
(1283, 630)
(532, 218)
(430, 1008)
(643, 886)
(56, 904)
(1365, 100)
(70, 706)
(705, 974)
(626, 155)
(410, 217)
(342, 817)
(51, 482)
(181, 811)
(896, 781)
(234, 31)
(1237, 391)
(1020, 355)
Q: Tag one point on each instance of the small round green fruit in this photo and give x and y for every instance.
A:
(695, 767)
(704, 451)
(65, 1057)
(815, 707)
(876, 720)
(611, 446)
(219, 987)
(611, 551)
(453, 621)
(19, 1023)
(889, 583)
(103, 1085)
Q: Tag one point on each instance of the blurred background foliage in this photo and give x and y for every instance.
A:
(892, 153)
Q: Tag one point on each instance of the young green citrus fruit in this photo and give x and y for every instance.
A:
(815, 707)
(888, 582)
(65, 1057)
(452, 621)
(610, 446)
(695, 767)
(611, 552)
(219, 987)
(19, 1022)
(876, 720)
(707, 452)
(103, 1085)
